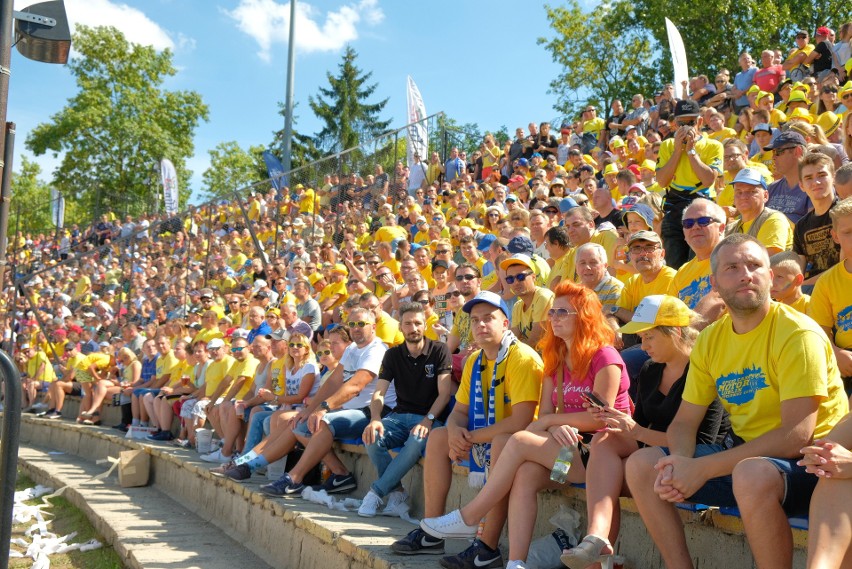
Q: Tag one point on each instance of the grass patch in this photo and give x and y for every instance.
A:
(64, 519)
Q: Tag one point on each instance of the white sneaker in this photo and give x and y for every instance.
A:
(216, 456)
(448, 526)
(396, 505)
(516, 564)
(370, 505)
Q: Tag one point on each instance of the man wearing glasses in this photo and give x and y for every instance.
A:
(460, 341)
(785, 195)
(533, 302)
(704, 227)
(687, 166)
(340, 409)
(647, 256)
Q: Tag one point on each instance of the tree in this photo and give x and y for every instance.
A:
(30, 208)
(118, 126)
(232, 168)
(600, 60)
(303, 149)
(348, 118)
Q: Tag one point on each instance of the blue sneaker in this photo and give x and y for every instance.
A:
(477, 556)
(337, 484)
(284, 486)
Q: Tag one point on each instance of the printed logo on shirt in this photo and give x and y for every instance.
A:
(692, 293)
(739, 388)
(844, 319)
(430, 370)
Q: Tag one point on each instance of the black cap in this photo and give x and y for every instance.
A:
(687, 108)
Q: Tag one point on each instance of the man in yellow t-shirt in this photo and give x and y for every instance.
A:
(533, 302)
(772, 228)
(580, 225)
(774, 372)
(515, 408)
(40, 375)
(652, 276)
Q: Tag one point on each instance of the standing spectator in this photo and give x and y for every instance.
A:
(688, 165)
(455, 166)
(768, 77)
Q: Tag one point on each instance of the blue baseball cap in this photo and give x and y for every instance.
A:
(750, 176)
(486, 242)
(521, 245)
(487, 297)
(567, 204)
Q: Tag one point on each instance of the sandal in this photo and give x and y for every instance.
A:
(94, 418)
(587, 552)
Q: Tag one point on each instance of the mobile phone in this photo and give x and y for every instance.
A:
(593, 399)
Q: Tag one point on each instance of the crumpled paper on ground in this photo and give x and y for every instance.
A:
(344, 505)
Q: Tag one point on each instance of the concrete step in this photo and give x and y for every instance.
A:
(146, 528)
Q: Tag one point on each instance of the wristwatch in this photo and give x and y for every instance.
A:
(691, 152)
(431, 417)
(324, 406)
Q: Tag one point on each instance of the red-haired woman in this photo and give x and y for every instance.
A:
(578, 358)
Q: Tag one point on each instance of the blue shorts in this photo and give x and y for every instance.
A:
(343, 424)
(141, 392)
(798, 484)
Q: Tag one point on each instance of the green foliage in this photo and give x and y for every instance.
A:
(30, 208)
(347, 118)
(232, 168)
(601, 61)
(303, 149)
(118, 126)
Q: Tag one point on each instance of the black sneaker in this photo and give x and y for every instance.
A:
(45, 412)
(337, 484)
(120, 427)
(238, 472)
(477, 556)
(418, 542)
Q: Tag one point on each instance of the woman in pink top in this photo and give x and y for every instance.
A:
(578, 358)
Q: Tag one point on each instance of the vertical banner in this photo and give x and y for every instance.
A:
(681, 70)
(275, 171)
(418, 136)
(57, 208)
(168, 175)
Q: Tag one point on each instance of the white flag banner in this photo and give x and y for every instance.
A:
(168, 175)
(418, 135)
(681, 70)
(57, 208)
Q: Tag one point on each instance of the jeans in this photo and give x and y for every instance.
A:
(397, 433)
(677, 251)
(258, 426)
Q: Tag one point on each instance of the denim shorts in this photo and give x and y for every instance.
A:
(343, 424)
(798, 484)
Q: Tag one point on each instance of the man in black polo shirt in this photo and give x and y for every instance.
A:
(812, 236)
(420, 371)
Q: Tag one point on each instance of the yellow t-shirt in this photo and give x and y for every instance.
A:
(386, 234)
(236, 262)
(277, 371)
(636, 288)
(724, 134)
(330, 291)
(387, 330)
(165, 364)
(306, 201)
(245, 368)
(205, 335)
(831, 303)
(786, 356)
(594, 126)
(776, 231)
(524, 317)
(524, 370)
(83, 283)
(429, 332)
(726, 196)
(216, 372)
(73, 362)
(254, 210)
(685, 180)
(180, 369)
(35, 362)
(461, 329)
(568, 270)
(691, 283)
(802, 304)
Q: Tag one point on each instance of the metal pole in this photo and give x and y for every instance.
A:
(209, 241)
(9, 451)
(288, 96)
(7, 20)
(6, 195)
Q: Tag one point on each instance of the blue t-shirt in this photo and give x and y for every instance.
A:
(792, 202)
(742, 81)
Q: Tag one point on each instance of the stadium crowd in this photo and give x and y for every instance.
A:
(659, 298)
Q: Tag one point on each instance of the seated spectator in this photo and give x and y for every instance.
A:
(812, 241)
(579, 358)
(592, 270)
(420, 372)
(795, 389)
(787, 279)
(768, 226)
(531, 302)
(664, 324)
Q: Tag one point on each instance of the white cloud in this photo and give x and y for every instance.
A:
(268, 23)
(132, 22)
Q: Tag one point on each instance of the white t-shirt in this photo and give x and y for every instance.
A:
(368, 358)
(294, 380)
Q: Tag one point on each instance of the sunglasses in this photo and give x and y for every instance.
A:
(323, 352)
(559, 313)
(442, 251)
(702, 221)
(359, 324)
(296, 345)
(638, 250)
(237, 349)
(372, 263)
(423, 302)
(521, 277)
(454, 293)
(460, 278)
(846, 96)
(213, 349)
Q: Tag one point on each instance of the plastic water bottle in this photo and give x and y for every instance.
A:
(559, 474)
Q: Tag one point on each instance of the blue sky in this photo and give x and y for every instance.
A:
(476, 61)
